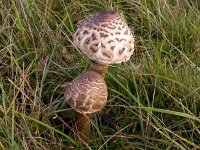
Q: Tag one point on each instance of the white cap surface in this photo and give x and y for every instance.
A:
(105, 38)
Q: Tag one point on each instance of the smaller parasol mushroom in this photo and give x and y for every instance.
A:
(87, 93)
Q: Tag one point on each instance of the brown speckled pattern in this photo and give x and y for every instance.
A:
(105, 38)
(87, 93)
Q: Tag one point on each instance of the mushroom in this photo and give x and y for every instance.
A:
(105, 38)
(87, 93)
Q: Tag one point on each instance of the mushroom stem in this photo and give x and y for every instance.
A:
(99, 68)
(83, 126)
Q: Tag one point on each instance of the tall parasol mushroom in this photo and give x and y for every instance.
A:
(105, 38)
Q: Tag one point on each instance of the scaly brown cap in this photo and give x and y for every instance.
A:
(87, 93)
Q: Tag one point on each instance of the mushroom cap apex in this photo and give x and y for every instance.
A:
(105, 38)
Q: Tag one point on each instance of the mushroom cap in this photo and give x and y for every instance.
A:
(105, 38)
(87, 93)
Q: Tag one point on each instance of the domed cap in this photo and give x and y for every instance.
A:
(105, 38)
(87, 93)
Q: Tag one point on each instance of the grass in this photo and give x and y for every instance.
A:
(154, 99)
